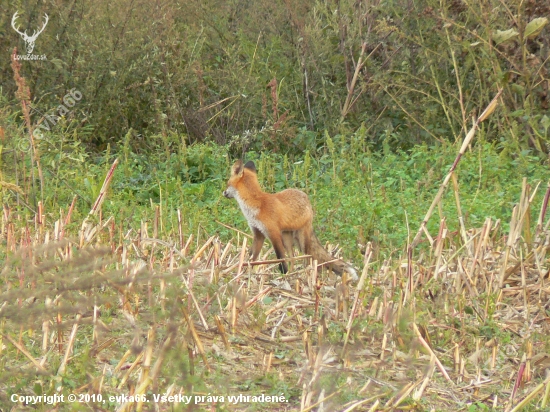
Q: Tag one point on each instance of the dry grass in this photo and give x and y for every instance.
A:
(122, 312)
(457, 322)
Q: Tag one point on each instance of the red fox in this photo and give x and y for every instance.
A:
(285, 217)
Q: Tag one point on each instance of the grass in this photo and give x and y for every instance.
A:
(143, 303)
(128, 281)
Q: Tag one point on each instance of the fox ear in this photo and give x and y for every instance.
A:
(237, 168)
(250, 166)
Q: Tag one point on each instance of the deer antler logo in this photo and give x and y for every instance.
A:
(29, 40)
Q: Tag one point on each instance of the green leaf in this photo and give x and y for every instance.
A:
(57, 63)
(503, 36)
(534, 27)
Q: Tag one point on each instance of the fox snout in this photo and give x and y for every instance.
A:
(227, 193)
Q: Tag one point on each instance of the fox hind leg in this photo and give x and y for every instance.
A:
(288, 242)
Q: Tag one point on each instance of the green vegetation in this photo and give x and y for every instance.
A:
(358, 196)
(261, 75)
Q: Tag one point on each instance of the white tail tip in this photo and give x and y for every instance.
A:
(352, 273)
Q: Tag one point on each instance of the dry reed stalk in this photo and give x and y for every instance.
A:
(351, 88)
(142, 234)
(57, 228)
(290, 338)
(517, 383)
(59, 330)
(209, 260)
(140, 390)
(70, 344)
(268, 362)
(98, 347)
(358, 290)
(263, 293)
(462, 373)
(429, 349)
(87, 230)
(408, 290)
(234, 229)
(277, 306)
(196, 337)
(542, 214)
(524, 290)
(187, 244)
(456, 358)
(420, 391)
(134, 364)
(226, 250)
(241, 259)
(467, 140)
(531, 395)
(546, 396)
(45, 333)
(315, 361)
(24, 351)
(39, 218)
(373, 306)
(24, 95)
(383, 346)
(315, 285)
(486, 228)
(494, 353)
(399, 396)
(190, 291)
(315, 405)
(274, 330)
(356, 404)
(440, 240)
(374, 407)
(196, 257)
(222, 332)
(509, 244)
(144, 380)
(103, 191)
(216, 256)
(519, 216)
(234, 312)
(191, 354)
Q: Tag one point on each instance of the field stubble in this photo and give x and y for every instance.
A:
(458, 323)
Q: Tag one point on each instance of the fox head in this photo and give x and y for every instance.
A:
(238, 171)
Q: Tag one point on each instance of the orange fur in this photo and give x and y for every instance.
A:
(285, 218)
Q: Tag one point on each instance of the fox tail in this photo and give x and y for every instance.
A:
(322, 256)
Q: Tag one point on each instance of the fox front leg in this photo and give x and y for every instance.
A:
(257, 243)
(278, 245)
(288, 242)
